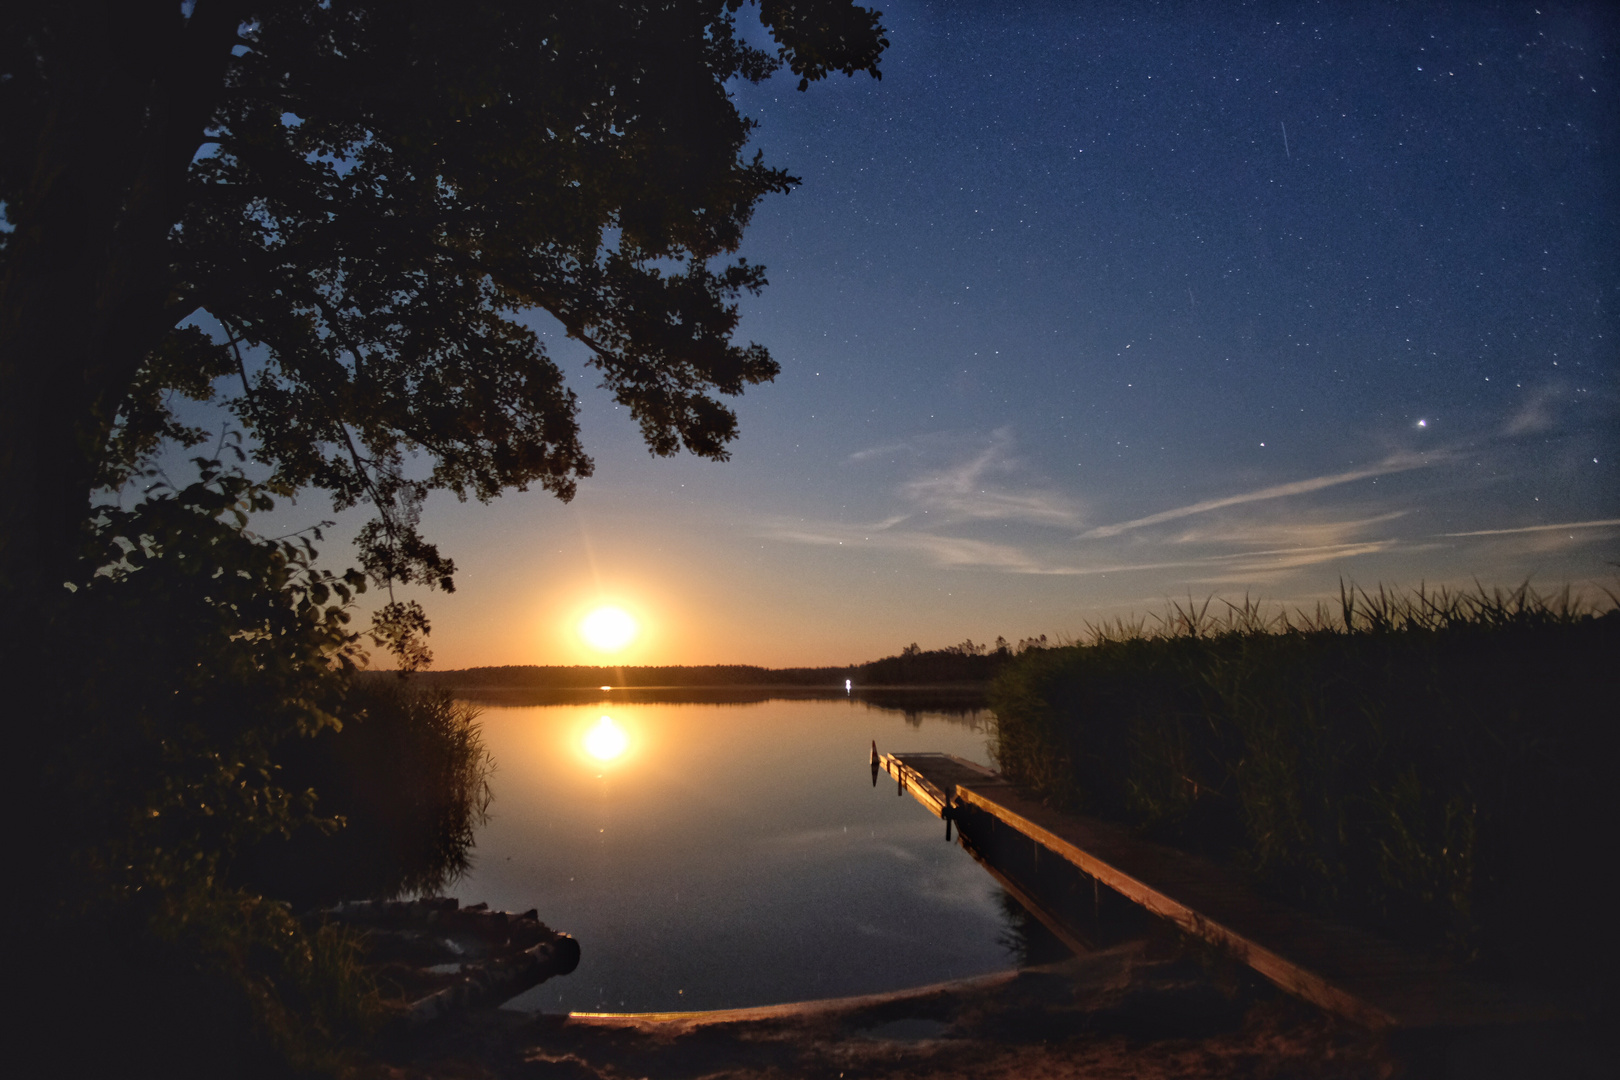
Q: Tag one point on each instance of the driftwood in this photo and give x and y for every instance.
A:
(495, 955)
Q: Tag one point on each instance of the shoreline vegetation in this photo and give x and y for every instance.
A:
(1431, 765)
(1435, 766)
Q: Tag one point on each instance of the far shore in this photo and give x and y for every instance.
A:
(959, 667)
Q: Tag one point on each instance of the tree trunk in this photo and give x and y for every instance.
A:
(88, 284)
(120, 107)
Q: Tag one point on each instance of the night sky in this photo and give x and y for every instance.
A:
(1083, 309)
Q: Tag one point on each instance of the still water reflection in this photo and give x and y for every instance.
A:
(606, 741)
(712, 856)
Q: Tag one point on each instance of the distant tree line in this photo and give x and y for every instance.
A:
(913, 666)
(968, 662)
(533, 677)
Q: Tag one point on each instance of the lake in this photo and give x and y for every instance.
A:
(732, 854)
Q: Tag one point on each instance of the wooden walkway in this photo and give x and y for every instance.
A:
(1343, 969)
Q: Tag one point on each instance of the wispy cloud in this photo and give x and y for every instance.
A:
(1256, 567)
(1536, 414)
(968, 553)
(940, 549)
(1395, 463)
(1242, 565)
(978, 490)
(962, 551)
(881, 451)
(986, 510)
(1284, 534)
(1565, 527)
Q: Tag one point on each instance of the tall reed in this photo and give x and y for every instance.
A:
(1434, 764)
(399, 789)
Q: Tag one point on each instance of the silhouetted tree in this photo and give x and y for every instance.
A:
(365, 196)
(1026, 644)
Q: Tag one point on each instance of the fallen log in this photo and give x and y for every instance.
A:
(488, 984)
(496, 955)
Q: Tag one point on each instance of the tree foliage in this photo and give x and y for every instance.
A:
(199, 648)
(337, 218)
(208, 758)
(366, 199)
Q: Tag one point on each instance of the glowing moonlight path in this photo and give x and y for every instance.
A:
(607, 740)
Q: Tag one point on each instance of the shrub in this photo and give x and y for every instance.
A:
(189, 655)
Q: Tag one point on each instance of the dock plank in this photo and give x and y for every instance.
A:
(1349, 971)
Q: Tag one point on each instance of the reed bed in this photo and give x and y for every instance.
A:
(1436, 765)
(400, 791)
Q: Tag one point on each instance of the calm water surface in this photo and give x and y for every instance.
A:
(732, 855)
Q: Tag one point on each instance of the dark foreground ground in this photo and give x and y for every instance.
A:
(1142, 1009)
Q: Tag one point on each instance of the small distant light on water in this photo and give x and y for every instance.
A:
(847, 682)
(604, 688)
(1423, 423)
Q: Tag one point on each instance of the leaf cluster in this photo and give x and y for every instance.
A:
(209, 759)
(197, 648)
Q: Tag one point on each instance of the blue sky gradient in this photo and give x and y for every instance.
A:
(1083, 308)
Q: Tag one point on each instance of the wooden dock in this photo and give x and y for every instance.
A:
(1348, 971)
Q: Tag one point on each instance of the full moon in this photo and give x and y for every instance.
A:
(608, 629)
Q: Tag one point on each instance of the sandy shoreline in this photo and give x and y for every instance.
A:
(1147, 1009)
(1142, 1009)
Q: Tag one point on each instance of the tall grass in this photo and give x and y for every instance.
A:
(399, 791)
(1434, 764)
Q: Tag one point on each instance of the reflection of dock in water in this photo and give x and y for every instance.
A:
(1093, 883)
